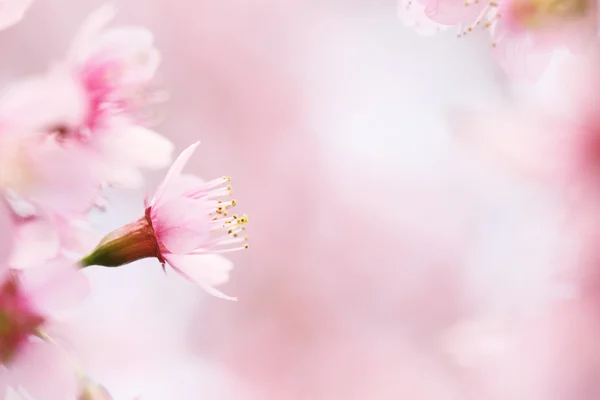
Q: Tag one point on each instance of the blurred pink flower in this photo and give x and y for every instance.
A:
(12, 12)
(186, 225)
(525, 33)
(528, 32)
(29, 302)
(93, 101)
(114, 67)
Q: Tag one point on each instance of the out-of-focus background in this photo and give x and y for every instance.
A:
(375, 232)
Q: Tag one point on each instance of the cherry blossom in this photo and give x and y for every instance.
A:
(186, 225)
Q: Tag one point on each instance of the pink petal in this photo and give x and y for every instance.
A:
(580, 37)
(412, 14)
(133, 48)
(182, 224)
(179, 187)
(119, 175)
(138, 146)
(174, 172)
(207, 270)
(56, 287)
(451, 12)
(45, 372)
(90, 28)
(521, 57)
(44, 102)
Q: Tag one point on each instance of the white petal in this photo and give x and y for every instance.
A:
(121, 176)
(182, 225)
(139, 147)
(132, 48)
(90, 28)
(206, 270)
(44, 101)
(180, 186)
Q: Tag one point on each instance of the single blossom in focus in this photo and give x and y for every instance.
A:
(186, 225)
(30, 304)
(524, 33)
(12, 12)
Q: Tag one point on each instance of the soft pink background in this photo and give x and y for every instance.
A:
(372, 231)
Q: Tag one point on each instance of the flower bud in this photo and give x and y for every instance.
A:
(127, 244)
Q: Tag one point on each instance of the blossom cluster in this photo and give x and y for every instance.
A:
(66, 135)
(524, 33)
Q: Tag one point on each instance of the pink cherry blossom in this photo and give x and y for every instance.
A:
(192, 225)
(525, 33)
(30, 304)
(12, 12)
(114, 67)
(94, 101)
(186, 225)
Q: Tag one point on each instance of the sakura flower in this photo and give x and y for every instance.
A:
(525, 33)
(186, 225)
(29, 304)
(107, 76)
(12, 12)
